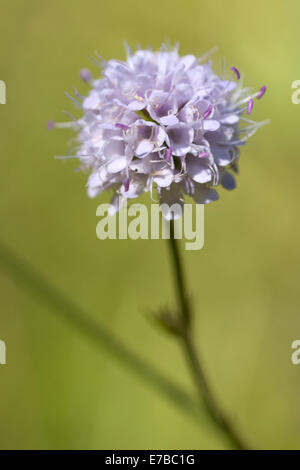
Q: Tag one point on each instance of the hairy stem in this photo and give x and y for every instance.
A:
(212, 407)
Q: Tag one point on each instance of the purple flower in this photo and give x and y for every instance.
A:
(162, 120)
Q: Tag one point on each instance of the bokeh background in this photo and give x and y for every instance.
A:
(62, 390)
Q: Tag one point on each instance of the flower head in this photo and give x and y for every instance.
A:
(165, 121)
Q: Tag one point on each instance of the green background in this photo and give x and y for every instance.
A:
(59, 389)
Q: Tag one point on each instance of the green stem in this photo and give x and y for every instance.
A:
(212, 407)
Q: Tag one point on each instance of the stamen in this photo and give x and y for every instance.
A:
(261, 92)
(168, 154)
(50, 125)
(203, 155)
(63, 124)
(237, 73)
(85, 75)
(139, 98)
(208, 111)
(119, 125)
(126, 184)
(76, 102)
(250, 106)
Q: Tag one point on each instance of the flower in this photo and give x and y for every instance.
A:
(165, 121)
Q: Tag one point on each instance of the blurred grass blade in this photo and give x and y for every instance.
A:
(33, 282)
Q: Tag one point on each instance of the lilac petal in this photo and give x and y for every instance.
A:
(162, 107)
(136, 105)
(231, 119)
(92, 101)
(93, 192)
(142, 165)
(94, 184)
(250, 106)
(211, 125)
(161, 136)
(114, 149)
(261, 92)
(223, 155)
(164, 178)
(187, 61)
(170, 120)
(117, 164)
(94, 180)
(181, 137)
(237, 73)
(157, 97)
(147, 136)
(144, 147)
(198, 170)
(228, 181)
(50, 125)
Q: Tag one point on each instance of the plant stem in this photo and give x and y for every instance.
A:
(212, 407)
